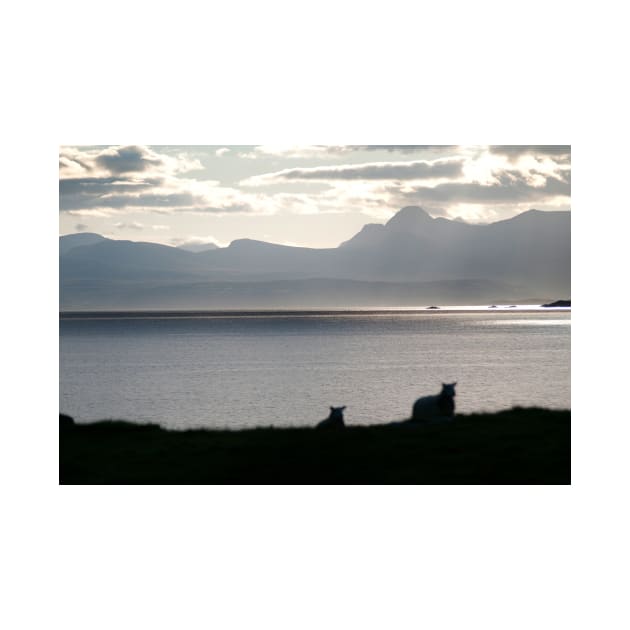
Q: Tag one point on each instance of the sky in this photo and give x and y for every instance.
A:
(307, 195)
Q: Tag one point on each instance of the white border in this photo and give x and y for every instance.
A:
(343, 72)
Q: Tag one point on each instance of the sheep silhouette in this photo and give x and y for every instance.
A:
(334, 420)
(437, 408)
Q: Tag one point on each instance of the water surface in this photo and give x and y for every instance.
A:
(234, 370)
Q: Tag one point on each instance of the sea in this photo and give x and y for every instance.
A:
(186, 370)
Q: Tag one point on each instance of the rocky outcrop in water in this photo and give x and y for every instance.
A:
(558, 303)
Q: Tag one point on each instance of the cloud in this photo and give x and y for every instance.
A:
(369, 171)
(472, 182)
(221, 152)
(403, 148)
(155, 201)
(81, 227)
(227, 208)
(292, 151)
(133, 225)
(122, 160)
(130, 159)
(509, 186)
(104, 181)
(558, 152)
(91, 213)
(97, 186)
(327, 150)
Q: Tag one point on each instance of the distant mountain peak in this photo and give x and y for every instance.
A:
(247, 242)
(534, 216)
(532, 212)
(409, 217)
(83, 235)
(71, 241)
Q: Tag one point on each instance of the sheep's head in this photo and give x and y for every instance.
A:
(336, 413)
(448, 389)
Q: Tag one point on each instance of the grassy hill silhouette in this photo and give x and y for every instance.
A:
(518, 446)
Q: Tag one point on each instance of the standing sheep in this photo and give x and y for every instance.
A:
(435, 408)
(334, 420)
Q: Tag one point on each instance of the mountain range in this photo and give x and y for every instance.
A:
(412, 260)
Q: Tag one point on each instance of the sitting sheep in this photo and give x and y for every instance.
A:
(436, 408)
(334, 420)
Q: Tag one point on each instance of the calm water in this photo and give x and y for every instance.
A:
(211, 371)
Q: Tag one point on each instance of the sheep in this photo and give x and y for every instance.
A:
(334, 420)
(440, 407)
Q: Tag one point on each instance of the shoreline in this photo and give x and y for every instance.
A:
(245, 313)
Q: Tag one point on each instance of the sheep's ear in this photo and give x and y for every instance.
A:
(343, 408)
(332, 408)
(455, 383)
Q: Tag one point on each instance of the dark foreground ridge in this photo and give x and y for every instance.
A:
(519, 446)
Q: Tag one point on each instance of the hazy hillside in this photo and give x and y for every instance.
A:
(412, 259)
(70, 241)
(532, 249)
